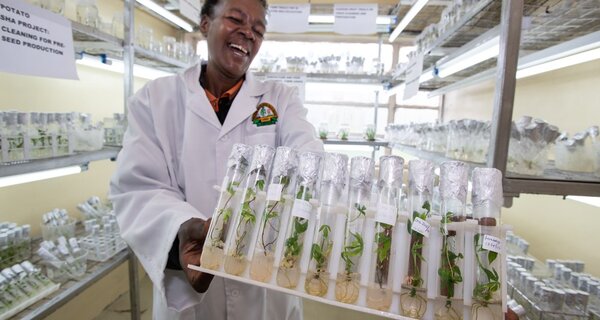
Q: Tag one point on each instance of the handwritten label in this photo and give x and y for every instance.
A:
(355, 18)
(492, 243)
(301, 208)
(274, 192)
(421, 226)
(386, 214)
(288, 18)
(34, 41)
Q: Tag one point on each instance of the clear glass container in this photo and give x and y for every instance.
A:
(87, 13)
(335, 173)
(453, 191)
(389, 189)
(237, 166)
(303, 209)
(323, 130)
(370, 132)
(420, 191)
(344, 131)
(487, 200)
(347, 285)
(279, 196)
(252, 198)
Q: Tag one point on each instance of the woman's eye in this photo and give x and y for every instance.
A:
(235, 19)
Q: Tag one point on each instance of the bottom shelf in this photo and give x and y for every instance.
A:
(26, 303)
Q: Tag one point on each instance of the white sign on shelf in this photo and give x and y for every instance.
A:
(190, 9)
(421, 226)
(288, 18)
(492, 243)
(355, 18)
(413, 74)
(35, 42)
(294, 80)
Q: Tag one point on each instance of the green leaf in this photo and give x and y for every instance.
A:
(325, 229)
(492, 256)
(427, 206)
(260, 184)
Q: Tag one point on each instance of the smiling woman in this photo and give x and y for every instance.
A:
(181, 130)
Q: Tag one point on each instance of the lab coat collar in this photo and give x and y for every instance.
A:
(243, 106)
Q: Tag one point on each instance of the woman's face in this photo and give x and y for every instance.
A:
(234, 35)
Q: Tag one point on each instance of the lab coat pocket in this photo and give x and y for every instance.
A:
(268, 138)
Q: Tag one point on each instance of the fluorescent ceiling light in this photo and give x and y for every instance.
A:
(166, 14)
(559, 63)
(38, 175)
(411, 14)
(329, 18)
(592, 201)
(117, 66)
(470, 58)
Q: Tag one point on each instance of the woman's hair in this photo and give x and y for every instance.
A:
(208, 7)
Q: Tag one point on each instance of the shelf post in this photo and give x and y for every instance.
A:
(510, 38)
(134, 286)
(128, 54)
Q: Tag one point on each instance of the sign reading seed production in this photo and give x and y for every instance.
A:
(288, 18)
(355, 18)
(190, 9)
(413, 74)
(294, 80)
(34, 41)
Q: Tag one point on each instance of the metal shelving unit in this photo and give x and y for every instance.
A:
(543, 34)
(376, 143)
(78, 159)
(334, 77)
(72, 288)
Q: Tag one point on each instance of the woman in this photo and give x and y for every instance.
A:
(181, 130)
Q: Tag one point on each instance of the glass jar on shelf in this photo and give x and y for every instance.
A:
(87, 13)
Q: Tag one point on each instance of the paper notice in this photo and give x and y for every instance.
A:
(36, 42)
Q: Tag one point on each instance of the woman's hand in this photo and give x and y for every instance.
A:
(192, 234)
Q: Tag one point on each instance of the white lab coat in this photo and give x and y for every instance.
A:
(174, 152)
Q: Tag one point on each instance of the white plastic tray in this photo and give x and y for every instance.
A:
(27, 302)
(303, 294)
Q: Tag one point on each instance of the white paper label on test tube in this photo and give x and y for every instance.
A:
(421, 226)
(492, 243)
(386, 214)
(301, 208)
(274, 192)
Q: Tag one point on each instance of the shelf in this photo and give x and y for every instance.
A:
(156, 60)
(376, 143)
(450, 33)
(434, 157)
(83, 158)
(300, 294)
(83, 33)
(554, 181)
(72, 288)
(333, 77)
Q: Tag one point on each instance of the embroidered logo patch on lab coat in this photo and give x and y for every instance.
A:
(264, 115)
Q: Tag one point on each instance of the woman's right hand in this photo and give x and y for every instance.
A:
(192, 234)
